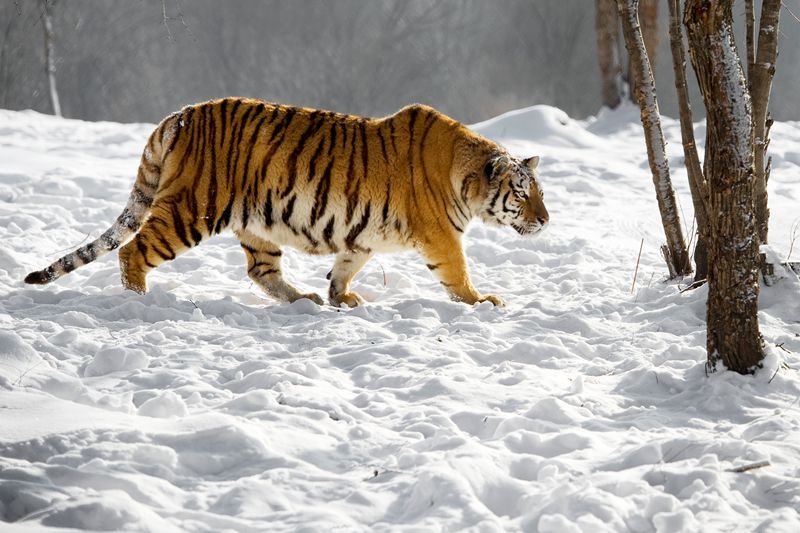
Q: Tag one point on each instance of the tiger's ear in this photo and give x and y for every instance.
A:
(490, 169)
(494, 166)
(532, 163)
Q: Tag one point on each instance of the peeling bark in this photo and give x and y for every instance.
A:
(732, 312)
(697, 183)
(645, 92)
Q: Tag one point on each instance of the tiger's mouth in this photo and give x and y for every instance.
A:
(528, 229)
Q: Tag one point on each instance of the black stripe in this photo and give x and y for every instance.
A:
(383, 145)
(274, 142)
(108, 241)
(87, 254)
(327, 233)
(356, 230)
(166, 256)
(251, 145)
(142, 247)
(314, 123)
(391, 135)
(273, 254)
(332, 145)
(68, 263)
(314, 242)
(236, 143)
(287, 212)
(350, 179)
(192, 194)
(364, 150)
(245, 213)
(268, 218)
(187, 152)
(312, 163)
(431, 266)
(412, 119)
(321, 196)
(180, 228)
(211, 201)
(225, 217)
(452, 223)
(385, 213)
(248, 248)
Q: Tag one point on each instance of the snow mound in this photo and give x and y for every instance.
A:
(205, 406)
(539, 124)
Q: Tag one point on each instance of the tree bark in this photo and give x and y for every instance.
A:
(761, 73)
(49, 55)
(677, 256)
(749, 24)
(648, 22)
(697, 183)
(732, 312)
(607, 26)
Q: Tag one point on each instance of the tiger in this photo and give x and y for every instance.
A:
(320, 182)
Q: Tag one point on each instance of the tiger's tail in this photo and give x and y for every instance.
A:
(130, 220)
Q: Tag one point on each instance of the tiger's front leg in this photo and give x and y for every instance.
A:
(344, 269)
(264, 268)
(446, 259)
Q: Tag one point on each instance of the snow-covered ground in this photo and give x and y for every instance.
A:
(205, 406)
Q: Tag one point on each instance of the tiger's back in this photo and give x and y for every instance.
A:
(321, 182)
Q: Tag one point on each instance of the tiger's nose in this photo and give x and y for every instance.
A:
(542, 220)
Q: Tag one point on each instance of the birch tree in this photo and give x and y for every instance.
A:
(49, 55)
(697, 183)
(675, 251)
(733, 275)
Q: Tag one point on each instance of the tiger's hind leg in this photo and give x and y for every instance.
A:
(165, 235)
(264, 268)
(345, 268)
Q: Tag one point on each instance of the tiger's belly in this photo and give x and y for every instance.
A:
(296, 224)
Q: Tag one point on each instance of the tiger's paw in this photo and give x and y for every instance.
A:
(491, 298)
(314, 297)
(134, 283)
(351, 299)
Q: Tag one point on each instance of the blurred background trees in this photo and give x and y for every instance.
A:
(115, 59)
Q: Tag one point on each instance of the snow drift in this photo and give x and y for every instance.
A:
(206, 406)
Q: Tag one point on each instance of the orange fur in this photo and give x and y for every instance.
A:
(322, 182)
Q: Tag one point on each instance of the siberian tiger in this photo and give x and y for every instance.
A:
(318, 181)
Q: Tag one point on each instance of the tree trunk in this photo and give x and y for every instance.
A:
(732, 312)
(697, 183)
(607, 26)
(648, 17)
(50, 58)
(749, 24)
(761, 73)
(648, 22)
(677, 256)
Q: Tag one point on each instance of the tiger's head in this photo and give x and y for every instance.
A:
(515, 197)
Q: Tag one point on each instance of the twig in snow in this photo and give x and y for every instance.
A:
(636, 271)
(790, 11)
(751, 466)
(793, 236)
(70, 248)
(694, 285)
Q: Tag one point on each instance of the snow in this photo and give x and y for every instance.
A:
(205, 406)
